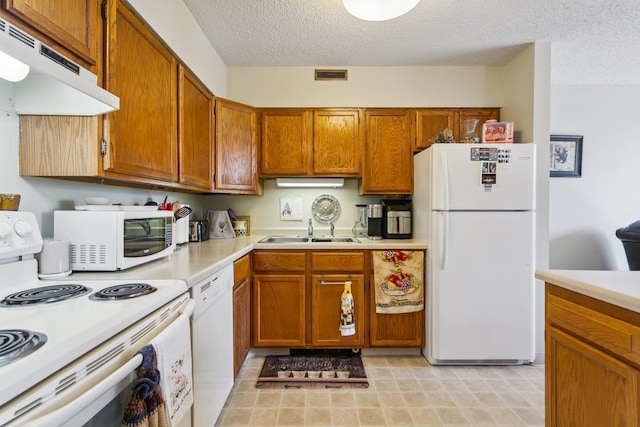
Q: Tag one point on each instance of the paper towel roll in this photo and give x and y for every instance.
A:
(54, 258)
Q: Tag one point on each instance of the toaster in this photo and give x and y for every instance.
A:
(198, 230)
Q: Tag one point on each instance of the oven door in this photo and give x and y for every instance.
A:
(98, 383)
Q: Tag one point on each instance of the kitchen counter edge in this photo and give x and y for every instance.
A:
(195, 261)
(621, 288)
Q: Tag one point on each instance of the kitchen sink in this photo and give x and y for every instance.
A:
(284, 239)
(309, 239)
(336, 239)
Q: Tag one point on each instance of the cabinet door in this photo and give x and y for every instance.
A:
(394, 330)
(286, 138)
(195, 142)
(432, 121)
(143, 73)
(388, 162)
(325, 311)
(74, 25)
(587, 387)
(279, 310)
(236, 151)
(336, 142)
(241, 311)
(241, 323)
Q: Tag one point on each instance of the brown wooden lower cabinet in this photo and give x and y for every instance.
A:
(325, 311)
(296, 303)
(396, 330)
(279, 310)
(592, 375)
(241, 312)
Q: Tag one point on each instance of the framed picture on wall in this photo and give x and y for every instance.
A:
(566, 156)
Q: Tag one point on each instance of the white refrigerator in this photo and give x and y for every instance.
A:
(474, 204)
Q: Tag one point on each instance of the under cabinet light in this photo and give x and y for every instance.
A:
(12, 69)
(310, 182)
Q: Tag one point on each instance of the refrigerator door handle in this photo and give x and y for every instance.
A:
(444, 180)
(444, 243)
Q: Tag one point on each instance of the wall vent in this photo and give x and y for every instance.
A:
(331, 74)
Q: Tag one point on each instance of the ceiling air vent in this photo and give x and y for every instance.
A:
(331, 74)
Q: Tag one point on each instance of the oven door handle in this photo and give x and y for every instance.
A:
(188, 310)
(60, 415)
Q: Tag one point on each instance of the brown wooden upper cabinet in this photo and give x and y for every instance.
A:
(142, 136)
(74, 27)
(388, 158)
(236, 148)
(162, 135)
(195, 138)
(432, 121)
(316, 142)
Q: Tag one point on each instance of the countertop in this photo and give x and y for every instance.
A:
(194, 261)
(621, 288)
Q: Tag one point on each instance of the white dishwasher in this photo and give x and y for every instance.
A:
(212, 345)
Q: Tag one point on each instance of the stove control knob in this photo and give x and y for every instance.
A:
(5, 230)
(23, 228)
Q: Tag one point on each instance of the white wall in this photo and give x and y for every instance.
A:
(526, 82)
(367, 87)
(265, 210)
(585, 212)
(175, 24)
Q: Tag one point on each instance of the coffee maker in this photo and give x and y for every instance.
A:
(374, 221)
(396, 221)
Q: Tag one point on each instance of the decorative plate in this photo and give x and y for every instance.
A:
(325, 208)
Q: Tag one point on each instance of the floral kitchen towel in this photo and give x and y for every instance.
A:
(399, 281)
(173, 351)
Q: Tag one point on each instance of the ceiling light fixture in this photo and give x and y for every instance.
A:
(378, 10)
(12, 69)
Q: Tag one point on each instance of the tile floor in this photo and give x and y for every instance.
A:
(403, 391)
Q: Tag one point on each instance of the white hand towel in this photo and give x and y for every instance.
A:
(173, 354)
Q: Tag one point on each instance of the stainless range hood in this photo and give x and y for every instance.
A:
(54, 85)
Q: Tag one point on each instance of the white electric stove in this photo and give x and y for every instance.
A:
(57, 334)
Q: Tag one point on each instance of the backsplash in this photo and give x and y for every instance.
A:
(265, 211)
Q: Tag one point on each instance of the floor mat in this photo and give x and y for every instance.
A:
(313, 371)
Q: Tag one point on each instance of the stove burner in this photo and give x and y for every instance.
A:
(17, 343)
(124, 291)
(45, 294)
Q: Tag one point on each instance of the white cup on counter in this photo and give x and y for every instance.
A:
(54, 259)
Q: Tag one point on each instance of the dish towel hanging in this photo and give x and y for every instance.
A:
(146, 407)
(399, 281)
(173, 350)
(347, 318)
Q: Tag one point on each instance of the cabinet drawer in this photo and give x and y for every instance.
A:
(608, 332)
(337, 261)
(278, 261)
(241, 268)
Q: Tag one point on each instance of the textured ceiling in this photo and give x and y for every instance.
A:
(592, 41)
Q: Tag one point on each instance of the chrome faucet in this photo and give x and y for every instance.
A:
(332, 228)
(310, 228)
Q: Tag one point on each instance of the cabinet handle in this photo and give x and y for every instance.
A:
(323, 282)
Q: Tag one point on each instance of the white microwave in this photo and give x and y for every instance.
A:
(114, 240)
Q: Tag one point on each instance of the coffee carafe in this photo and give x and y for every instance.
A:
(360, 221)
(374, 221)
